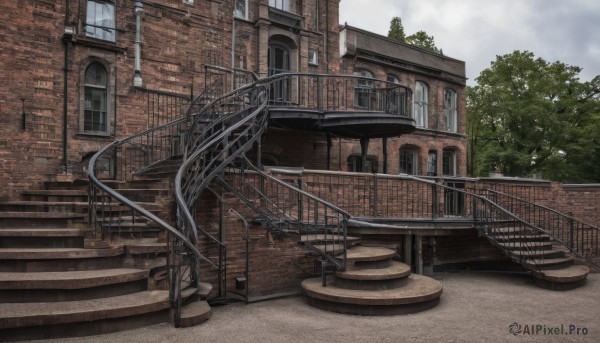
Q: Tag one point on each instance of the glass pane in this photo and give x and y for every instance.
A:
(96, 75)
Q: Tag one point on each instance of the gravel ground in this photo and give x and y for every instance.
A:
(475, 307)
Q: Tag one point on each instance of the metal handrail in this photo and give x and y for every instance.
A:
(581, 238)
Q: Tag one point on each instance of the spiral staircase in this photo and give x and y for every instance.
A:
(185, 262)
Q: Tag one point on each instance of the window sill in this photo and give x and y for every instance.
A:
(97, 43)
(91, 135)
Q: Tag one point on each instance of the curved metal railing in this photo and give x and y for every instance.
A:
(582, 239)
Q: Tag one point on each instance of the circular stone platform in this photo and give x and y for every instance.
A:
(417, 294)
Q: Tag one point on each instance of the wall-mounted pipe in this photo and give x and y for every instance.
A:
(137, 74)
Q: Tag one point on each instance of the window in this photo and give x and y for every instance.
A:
(363, 89)
(313, 57)
(100, 20)
(393, 79)
(449, 162)
(421, 104)
(408, 161)
(95, 99)
(355, 164)
(283, 5)
(432, 163)
(450, 109)
(241, 9)
(190, 2)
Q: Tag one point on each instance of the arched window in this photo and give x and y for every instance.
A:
(409, 160)
(421, 104)
(449, 162)
(393, 79)
(363, 89)
(95, 99)
(278, 60)
(450, 109)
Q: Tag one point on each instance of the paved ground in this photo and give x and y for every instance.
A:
(475, 307)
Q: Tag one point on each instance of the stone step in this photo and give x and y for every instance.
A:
(550, 263)
(314, 238)
(56, 253)
(58, 259)
(195, 313)
(527, 245)
(538, 253)
(417, 294)
(395, 270)
(368, 254)
(41, 238)
(521, 237)
(71, 285)
(562, 279)
(26, 321)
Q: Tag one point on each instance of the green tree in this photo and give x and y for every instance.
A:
(396, 30)
(527, 115)
(422, 40)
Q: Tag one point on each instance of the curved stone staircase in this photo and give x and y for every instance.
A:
(372, 284)
(551, 265)
(56, 280)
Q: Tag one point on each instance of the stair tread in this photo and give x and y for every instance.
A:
(69, 279)
(29, 314)
(418, 288)
(40, 232)
(42, 215)
(535, 252)
(548, 261)
(570, 273)
(321, 237)
(56, 253)
(363, 253)
(195, 313)
(525, 244)
(395, 270)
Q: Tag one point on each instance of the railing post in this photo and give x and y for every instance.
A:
(434, 201)
(571, 231)
(375, 195)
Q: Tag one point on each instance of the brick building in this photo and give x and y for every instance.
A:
(80, 75)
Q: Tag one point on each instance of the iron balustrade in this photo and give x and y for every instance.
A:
(321, 92)
(580, 238)
(290, 210)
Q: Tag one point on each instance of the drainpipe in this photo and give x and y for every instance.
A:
(137, 74)
(233, 49)
(327, 35)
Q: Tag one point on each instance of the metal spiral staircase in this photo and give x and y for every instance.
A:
(212, 139)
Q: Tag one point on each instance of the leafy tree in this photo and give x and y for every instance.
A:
(422, 40)
(396, 30)
(527, 115)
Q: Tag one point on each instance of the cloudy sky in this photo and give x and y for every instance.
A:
(475, 31)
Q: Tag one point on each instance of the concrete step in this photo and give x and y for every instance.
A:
(527, 245)
(71, 285)
(26, 321)
(58, 259)
(195, 313)
(550, 253)
(550, 263)
(417, 294)
(521, 237)
(41, 238)
(395, 270)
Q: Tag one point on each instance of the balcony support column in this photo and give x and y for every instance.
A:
(385, 159)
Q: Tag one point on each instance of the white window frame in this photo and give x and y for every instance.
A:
(421, 104)
(105, 29)
(450, 112)
(283, 5)
(238, 13)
